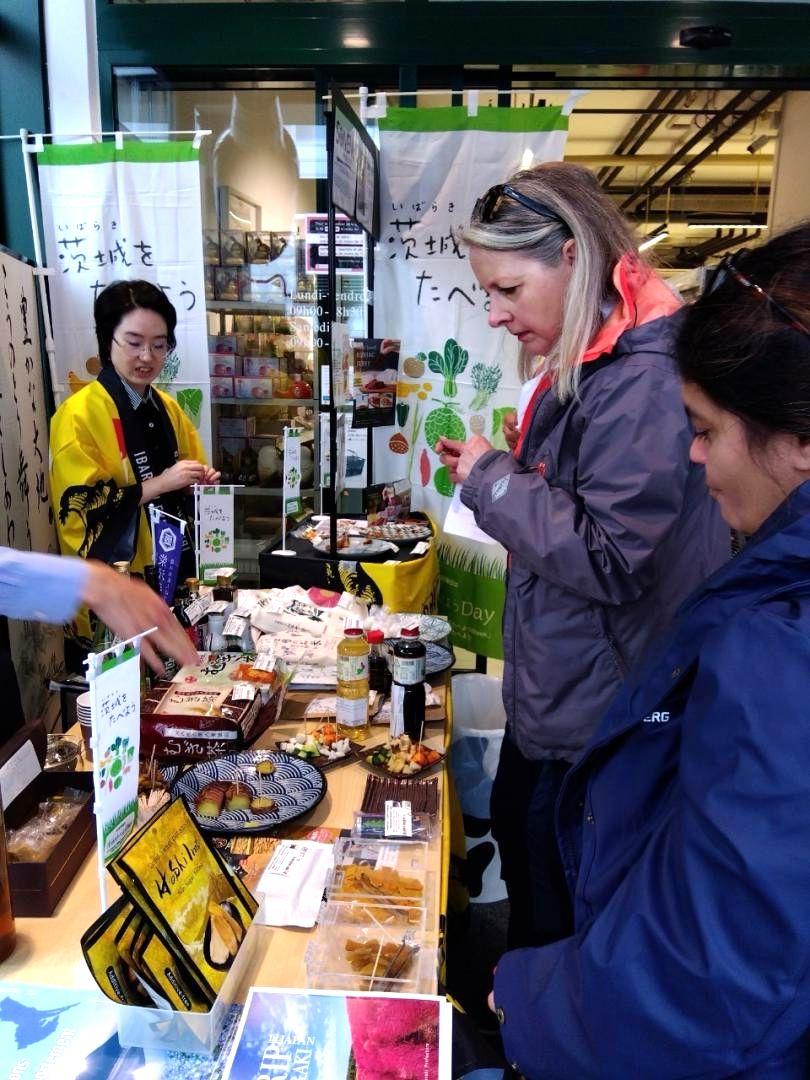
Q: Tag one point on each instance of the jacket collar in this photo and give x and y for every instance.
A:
(777, 557)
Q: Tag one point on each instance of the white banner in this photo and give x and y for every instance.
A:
(214, 529)
(291, 495)
(26, 520)
(130, 213)
(457, 377)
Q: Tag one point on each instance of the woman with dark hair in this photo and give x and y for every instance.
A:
(120, 443)
(684, 828)
(607, 525)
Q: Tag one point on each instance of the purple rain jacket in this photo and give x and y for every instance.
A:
(608, 526)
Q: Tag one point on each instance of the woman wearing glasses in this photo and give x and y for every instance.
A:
(119, 443)
(607, 524)
(685, 824)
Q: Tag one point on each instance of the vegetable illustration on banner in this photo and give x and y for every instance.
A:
(214, 527)
(457, 377)
(291, 495)
(115, 709)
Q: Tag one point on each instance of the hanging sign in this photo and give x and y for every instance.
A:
(167, 544)
(115, 711)
(130, 212)
(456, 376)
(291, 495)
(214, 520)
(355, 167)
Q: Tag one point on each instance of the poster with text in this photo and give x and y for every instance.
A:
(457, 377)
(128, 213)
(115, 710)
(26, 519)
(215, 535)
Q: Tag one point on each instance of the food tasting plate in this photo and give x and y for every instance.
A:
(400, 533)
(356, 548)
(370, 756)
(321, 761)
(293, 788)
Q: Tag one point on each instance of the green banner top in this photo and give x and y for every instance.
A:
(488, 118)
(132, 150)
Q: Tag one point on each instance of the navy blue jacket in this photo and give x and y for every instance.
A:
(685, 836)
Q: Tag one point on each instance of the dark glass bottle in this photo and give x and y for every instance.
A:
(150, 576)
(408, 689)
(379, 677)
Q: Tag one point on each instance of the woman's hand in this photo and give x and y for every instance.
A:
(510, 429)
(459, 457)
(181, 475)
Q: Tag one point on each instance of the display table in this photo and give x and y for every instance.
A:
(48, 949)
(403, 580)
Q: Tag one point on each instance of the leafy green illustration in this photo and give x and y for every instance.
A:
(443, 423)
(497, 439)
(190, 401)
(485, 379)
(443, 483)
(450, 364)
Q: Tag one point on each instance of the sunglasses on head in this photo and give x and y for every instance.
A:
(490, 203)
(727, 269)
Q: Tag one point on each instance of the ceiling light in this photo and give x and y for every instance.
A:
(724, 225)
(654, 238)
(356, 41)
(527, 159)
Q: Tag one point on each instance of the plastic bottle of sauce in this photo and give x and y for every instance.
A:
(352, 686)
(408, 690)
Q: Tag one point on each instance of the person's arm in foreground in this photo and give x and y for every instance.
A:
(698, 964)
(49, 588)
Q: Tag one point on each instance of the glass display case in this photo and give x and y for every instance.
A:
(264, 244)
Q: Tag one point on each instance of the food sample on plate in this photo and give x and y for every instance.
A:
(211, 799)
(402, 756)
(238, 796)
(323, 741)
(387, 959)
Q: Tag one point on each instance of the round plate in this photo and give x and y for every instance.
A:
(359, 551)
(437, 657)
(399, 533)
(295, 786)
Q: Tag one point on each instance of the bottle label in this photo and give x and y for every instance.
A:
(352, 668)
(397, 725)
(352, 712)
(408, 670)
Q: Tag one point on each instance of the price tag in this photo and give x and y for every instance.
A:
(265, 661)
(398, 821)
(216, 607)
(243, 692)
(421, 548)
(197, 608)
(235, 626)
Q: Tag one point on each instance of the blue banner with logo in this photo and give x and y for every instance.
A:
(168, 549)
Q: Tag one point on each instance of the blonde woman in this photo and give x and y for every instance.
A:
(607, 524)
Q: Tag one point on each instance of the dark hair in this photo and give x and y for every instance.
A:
(746, 343)
(118, 299)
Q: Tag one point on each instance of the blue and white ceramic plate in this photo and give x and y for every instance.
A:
(438, 658)
(295, 787)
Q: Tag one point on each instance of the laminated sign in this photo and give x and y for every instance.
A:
(115, 709)
(457, 377)
(292, 471)
(214, 521)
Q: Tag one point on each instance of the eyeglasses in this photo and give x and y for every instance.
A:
(158, 349)
(490, 203)
(726, 269)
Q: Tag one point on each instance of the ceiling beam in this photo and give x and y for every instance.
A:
(623, 160)
(721, 137)
(637, 129)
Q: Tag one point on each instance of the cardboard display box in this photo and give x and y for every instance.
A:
(183, 737)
